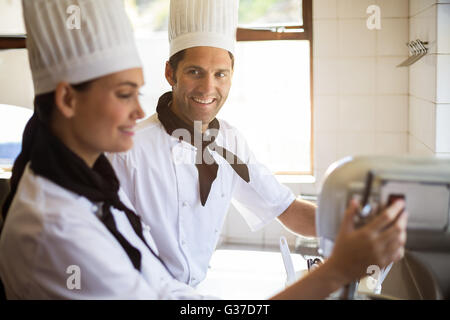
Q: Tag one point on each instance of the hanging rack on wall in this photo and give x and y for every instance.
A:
(417, 50)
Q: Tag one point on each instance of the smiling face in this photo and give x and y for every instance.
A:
(102, 117)
(201, 84)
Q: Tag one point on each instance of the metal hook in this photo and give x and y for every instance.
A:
(417, 50)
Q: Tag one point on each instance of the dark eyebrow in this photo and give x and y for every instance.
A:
(128, 83)
(200, 68)
(193, 67)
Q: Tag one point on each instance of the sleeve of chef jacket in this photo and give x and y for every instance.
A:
(105, 270)
(263, 198)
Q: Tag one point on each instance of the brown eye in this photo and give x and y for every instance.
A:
(124, 95)
(194, 72)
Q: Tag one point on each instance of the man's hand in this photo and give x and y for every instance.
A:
(379, 242)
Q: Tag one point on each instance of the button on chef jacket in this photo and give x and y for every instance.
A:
(160, 178)
(51, 233)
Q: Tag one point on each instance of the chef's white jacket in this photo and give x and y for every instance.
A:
(160, 178)
(49, 230)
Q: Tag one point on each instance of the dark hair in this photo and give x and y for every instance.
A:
(177, 57)
(44, 104)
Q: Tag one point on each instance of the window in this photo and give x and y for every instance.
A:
(270, 13)
(150, 19)
(273, 57)
(271, 97)
(16, 88)
(12, 123)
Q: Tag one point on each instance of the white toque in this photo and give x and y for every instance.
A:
(195, 23)
(77, 41)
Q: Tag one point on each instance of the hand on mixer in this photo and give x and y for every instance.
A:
(379, 243)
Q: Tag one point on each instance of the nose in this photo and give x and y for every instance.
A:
(207, 84)
(138, 112)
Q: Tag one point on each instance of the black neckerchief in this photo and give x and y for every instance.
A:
(205, 163)
(51, 159)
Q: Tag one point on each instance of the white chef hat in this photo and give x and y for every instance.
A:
(209, 23)
(77, 41)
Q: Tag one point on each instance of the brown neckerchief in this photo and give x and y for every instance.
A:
(206, 166)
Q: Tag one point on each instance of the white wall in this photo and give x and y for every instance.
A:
(360, 97)
(16, 87)
(11, 21)
(429, 122)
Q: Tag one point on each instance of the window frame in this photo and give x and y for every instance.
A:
(299, 32)
(12, 42)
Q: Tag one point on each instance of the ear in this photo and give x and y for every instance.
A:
(65, 99)
(170, 76)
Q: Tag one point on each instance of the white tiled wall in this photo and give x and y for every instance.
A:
(442, 128)
(363, 103)
(361, 98)
(429, 121)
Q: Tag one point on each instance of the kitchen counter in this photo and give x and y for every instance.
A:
(238, 274)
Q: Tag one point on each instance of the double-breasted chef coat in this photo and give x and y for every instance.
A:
(52, 235)
(160, 178)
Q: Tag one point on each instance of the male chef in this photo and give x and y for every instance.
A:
(186, 165)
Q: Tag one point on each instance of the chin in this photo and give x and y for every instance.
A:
(204, 116)
(205, 119)
(123, 147)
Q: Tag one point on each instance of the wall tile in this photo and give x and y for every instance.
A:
(443, 78)
(390, 79)
(353, 8)
(326, 72)
(417, 148)
(391, 143)
(391, 113)
(356, 114)
(357, 76)
(417, 6)
(443, 28)
(326, 113)
(352, 144)
(394, 8)
(422, 78)
(356, 40)
(325, 9)
(325, 150)
(391, 37)
(423, 27)
(443, 128)
(326, 38)
(422, 121)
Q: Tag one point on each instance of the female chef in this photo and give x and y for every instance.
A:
(68, 233)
